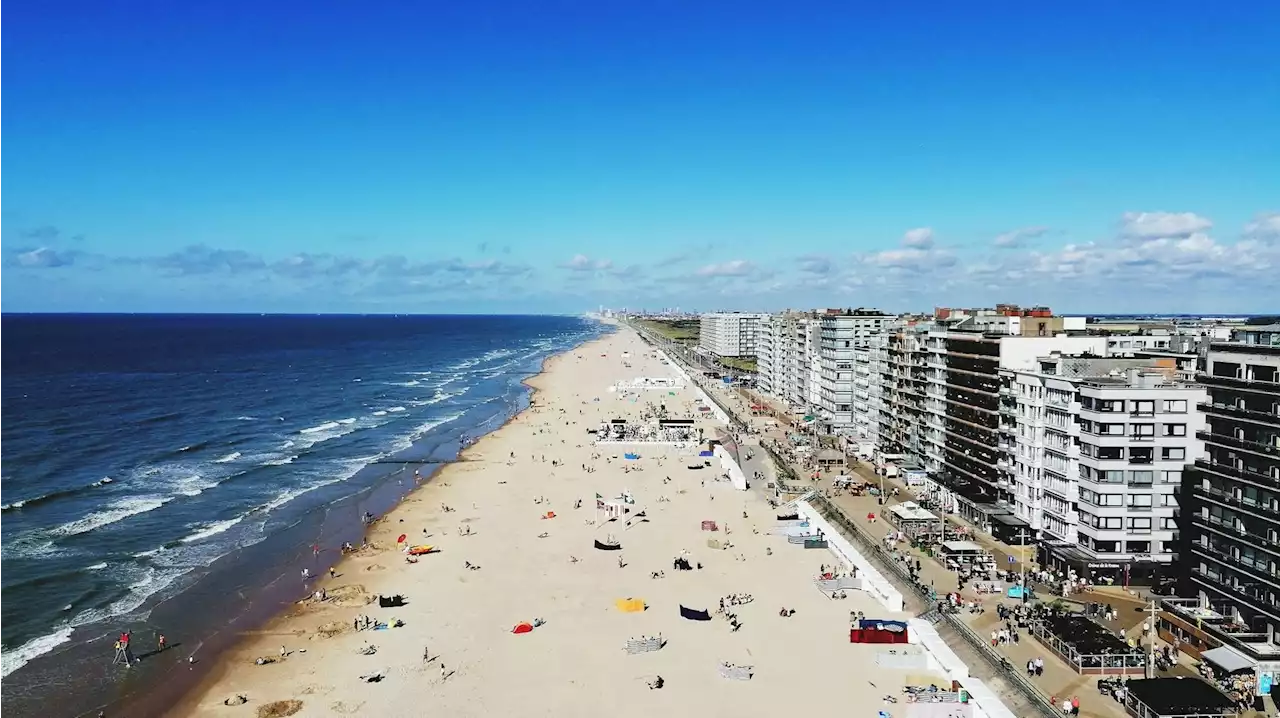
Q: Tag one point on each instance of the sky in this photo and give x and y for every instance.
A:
(327, 156)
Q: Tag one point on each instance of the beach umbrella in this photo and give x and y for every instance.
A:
(402, 538)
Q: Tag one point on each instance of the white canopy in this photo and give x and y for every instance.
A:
(1228, 659)
(962, 547)
(911, 511)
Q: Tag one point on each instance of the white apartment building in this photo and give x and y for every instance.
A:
(729, 334)
(841, 333)
(786, 357)
(1094, 449)
(962, 433)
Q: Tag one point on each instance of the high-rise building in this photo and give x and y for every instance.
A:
(1095, 456)
(729, 334)
(1230, 517)
(786, 348)
(961, 443)
(841, 332)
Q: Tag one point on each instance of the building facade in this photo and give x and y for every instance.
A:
(729, 334)
(840, 334)
(965, 438)
(1230, 557)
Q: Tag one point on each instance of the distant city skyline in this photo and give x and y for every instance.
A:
(389, 158)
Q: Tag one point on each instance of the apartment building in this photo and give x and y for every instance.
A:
(1231, 495)
(729, 334)
(841, 332)
(903, 376)
(786, 349)
(961, 438)
(1095, 457)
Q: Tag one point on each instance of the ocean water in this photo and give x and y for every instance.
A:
(137, 450)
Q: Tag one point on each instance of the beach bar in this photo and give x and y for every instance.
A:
(1176, 698)
(1089, 648)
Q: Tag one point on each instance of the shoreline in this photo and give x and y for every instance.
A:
(192, 695)
(465, 619)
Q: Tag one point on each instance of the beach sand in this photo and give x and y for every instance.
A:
(575, 664)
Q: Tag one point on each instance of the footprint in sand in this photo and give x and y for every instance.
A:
(375, 567)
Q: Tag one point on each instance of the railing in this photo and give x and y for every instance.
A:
(896, 571)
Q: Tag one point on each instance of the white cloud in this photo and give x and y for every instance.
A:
(1019, 237)
(1144, 225)
(43, 258)
(816, 264)
(732, 268)
(918, 238)
(1265, 226)
(916, 253)
(583, 263)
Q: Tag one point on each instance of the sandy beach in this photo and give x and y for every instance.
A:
(514, 566)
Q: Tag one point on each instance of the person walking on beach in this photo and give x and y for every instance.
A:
(306, 574)
(426, 656)
(160, 644)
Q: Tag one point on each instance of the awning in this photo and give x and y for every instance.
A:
(1228, 659)
(911, 511)
(961, 547)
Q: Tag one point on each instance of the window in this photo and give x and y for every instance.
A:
(1112, 477)
(1173, 452)
(1109, 405)
(1141, 455)
(1143, 408)
(1110, 452)
(1141, 477)
(1146, 430)
(1140, 501)
(1172, 477)
(1175, 406)
(1086, 402)
(1175, 429)
(1110, 429)
(1108, 522)
(1169, 523)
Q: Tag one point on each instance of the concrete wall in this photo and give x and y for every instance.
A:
(876, 584)
(727, 463)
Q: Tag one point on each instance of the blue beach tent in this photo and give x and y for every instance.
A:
(631, 456)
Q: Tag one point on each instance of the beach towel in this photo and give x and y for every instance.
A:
(630, 605)
(524, 627)
(421, 550)
(709, 526)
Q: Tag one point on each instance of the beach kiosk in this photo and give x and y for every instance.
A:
(961, 553)
(908, 516)
(1181, 697)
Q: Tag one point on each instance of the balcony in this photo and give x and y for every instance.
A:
(1238, 563)
(1236, 412)
(1233, 532)
(1256, 447)
(1238, 383)
(1232, 472)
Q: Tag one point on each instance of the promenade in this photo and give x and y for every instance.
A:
(1002, 666)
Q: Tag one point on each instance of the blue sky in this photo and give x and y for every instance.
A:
(550, 157)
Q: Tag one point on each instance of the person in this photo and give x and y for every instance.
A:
(332, 573)
(426, 655)
(160, 643)
(443, 673)
(283, 652)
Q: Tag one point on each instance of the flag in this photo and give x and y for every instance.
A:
(598, 496)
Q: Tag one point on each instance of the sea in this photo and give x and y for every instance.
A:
(144, 458)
